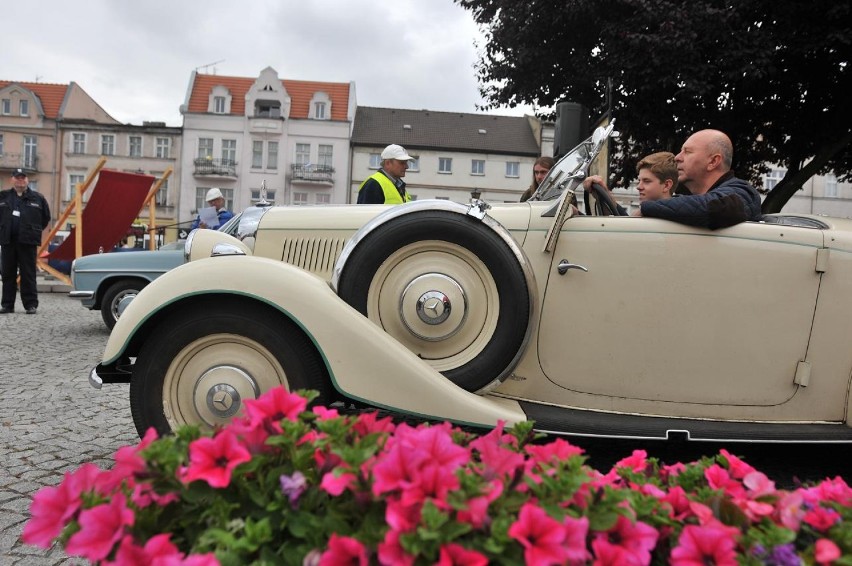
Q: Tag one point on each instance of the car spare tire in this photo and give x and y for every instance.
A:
(448, 287)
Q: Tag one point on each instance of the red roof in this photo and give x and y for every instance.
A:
(301, 93)
(50, 95)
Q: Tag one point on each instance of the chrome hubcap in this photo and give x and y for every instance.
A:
(426, 307)
(219, 393)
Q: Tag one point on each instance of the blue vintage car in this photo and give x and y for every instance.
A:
(108, 282)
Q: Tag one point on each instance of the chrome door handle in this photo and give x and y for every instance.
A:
(565, 265)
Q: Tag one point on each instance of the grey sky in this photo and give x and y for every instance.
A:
(135, 58)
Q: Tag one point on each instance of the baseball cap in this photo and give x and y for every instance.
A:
(19, 173)
(394, 151)
(213, 194)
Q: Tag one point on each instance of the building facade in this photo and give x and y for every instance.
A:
(241, 133)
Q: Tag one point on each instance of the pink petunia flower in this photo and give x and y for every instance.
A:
(214, 459)
(821, 518)
(128, 463)
(324, 413)
(497, 460)
(391, 553)
(457, 555)
(637, 538)
(825, 551)
(636, 462)
(275, 405)
(101, 527)
(835, 490)
(53, 508)
(336, 483)
(344, 551)
(543, 537)
(719, 478)
(609, 554)
(790, 511)
(679, 502)
(705, 545)
(738, 468)
(758, 485)
(158, 550)
(476, 511)
(369, 423)
(401, 517)
(556, 451)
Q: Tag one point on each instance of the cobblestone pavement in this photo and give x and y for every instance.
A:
(51, 419)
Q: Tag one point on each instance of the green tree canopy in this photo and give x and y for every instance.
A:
(773, 74)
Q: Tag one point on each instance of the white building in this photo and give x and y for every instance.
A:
(241, 131)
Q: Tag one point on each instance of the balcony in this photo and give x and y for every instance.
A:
(28, 163)
(312, 174)
(205, 167)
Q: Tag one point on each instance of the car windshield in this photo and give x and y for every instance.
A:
(230, 227)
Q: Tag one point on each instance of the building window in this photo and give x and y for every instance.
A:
(325, 155)
(6, 106)
(323, 198)
(319, 110)
(831, 185)
(163, 148)
(477, 167)
(255, 195)
(267, 109)
(320, 106)
(272, 155)
(445, 165)
(74, 180)
(229, 152)
(375, 160)
(107, 144)
(773, 178)
(513, 169)
(303, 153)
(257, 154)
(300, 198)
(205, 148)
(30, 151)
(135, 146)
(25, 107)
(414, 164)
(201, 192)
(162, 198)
(78, 143)
(219, 104)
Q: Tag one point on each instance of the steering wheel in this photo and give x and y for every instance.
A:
(605, 205)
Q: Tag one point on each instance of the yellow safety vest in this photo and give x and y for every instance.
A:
(392, 195)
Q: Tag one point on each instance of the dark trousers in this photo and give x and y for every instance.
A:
(21, 257)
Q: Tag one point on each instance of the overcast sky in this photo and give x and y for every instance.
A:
(135, 58)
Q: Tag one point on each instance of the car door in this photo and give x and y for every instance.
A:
(667, 312)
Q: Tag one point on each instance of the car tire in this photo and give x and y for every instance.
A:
(114, 294)
(407, 272)
(202, 362)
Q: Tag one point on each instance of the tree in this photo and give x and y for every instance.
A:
(773, 74)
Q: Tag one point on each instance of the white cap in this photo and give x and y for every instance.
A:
(394, 151)
(213, 194)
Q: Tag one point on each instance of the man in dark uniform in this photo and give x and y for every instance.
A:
(24, 215)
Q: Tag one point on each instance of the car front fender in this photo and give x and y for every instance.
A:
(363, 362)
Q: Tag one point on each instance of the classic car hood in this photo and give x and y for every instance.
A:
(162, 259)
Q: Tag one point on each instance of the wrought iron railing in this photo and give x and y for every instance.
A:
(28, 163)
(210, 166)
(312, 173)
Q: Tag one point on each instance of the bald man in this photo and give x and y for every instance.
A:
(717, 199)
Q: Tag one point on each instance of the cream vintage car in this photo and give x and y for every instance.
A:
(589, 324)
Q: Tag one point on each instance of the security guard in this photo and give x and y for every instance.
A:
(386, 186)
(24, 214)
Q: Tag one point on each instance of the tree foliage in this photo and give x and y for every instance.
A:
(774, 75)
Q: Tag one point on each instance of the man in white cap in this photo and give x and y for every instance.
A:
(386, 186)
(215, 199)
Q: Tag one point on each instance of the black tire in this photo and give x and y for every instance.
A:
(454, 261)
(211, 350)
(113, 296)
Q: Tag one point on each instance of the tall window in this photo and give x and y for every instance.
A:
(319, 110)
(107, 144)
(477, 167)
(445, 165)
(163, 148)
(773, 178)
(219, 104)
(323, 198)
(6, 106)
(255, 195)
(303, 153)
(74, 179)
(375, 160)
(205, 148)
(257, 154)
(414, 164)
(163, 194)
(30, 151)
(272, 156)
(229, 151)
(513, 169)
(78, 143)
(831, 185)
(25, 107)
(135, 146)
(325, 156)
(300, 198)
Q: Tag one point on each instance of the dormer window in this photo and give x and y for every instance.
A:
(219, 104)
(319, 110)
(25, 107)
(320, 106)
(220, 100)
(267, 109)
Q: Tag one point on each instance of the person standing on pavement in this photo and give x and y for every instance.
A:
(386, 186)
(215, 199)
(24, 215)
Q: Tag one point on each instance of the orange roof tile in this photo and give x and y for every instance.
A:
(300, 93)
(50, 95)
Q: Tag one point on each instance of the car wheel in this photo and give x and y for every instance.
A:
(201, 363)
(448, 288)
(115, 294)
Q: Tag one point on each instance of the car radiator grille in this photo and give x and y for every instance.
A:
(316, 255)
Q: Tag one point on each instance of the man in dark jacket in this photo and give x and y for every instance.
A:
(717, 199)
(24, 214)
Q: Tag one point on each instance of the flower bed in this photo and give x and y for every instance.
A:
(286, 485)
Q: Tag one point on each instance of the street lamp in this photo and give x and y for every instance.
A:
(475, 194)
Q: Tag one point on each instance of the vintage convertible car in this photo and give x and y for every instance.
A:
(588, 324)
